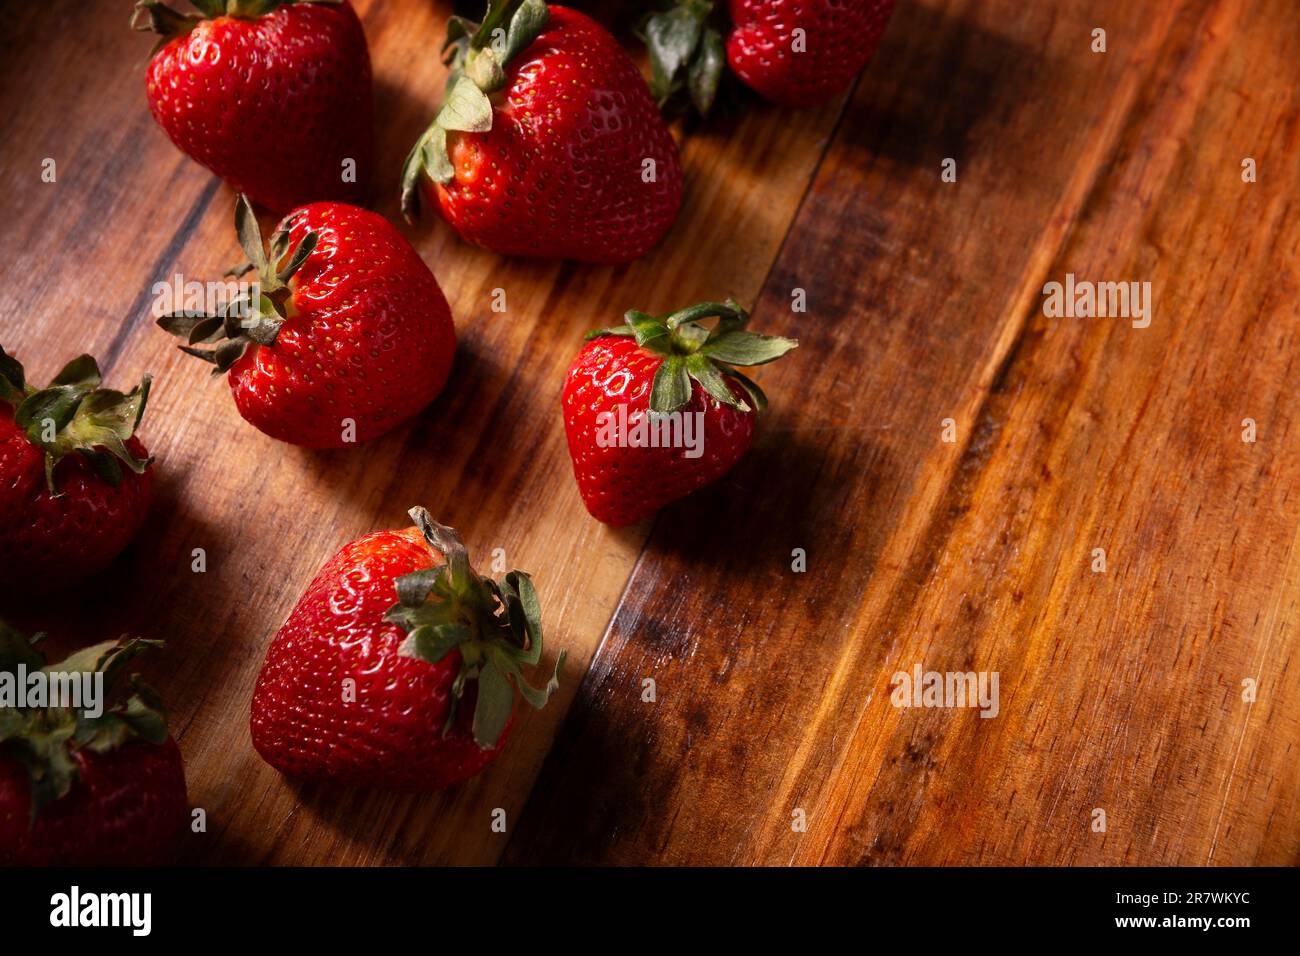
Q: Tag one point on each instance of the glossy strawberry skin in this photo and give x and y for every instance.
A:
(620, 486)
(372, 340)
(390, 735)
(53, 542)
(559, 175)
(841, 36)
(128, 808)
(273, 105)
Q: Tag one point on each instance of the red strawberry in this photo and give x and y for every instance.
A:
(568, 158)
(839, 37)
(359, 341)
(796, 53)
(80, 788)
(67, 506)
(274, 96)
(394, 672)
(628, 461)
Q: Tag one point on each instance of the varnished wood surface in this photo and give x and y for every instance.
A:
(1119, 691)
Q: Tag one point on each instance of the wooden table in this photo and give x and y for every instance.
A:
(966, 545)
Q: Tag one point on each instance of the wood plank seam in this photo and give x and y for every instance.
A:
(138, 316)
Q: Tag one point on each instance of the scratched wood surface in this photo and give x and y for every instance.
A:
(1120, 691)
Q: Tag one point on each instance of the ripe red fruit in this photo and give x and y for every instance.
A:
(628, 461)
(394, 672)
(81, 790)
(274, 96)
(796, 53)
(568, 159)
(839, 37)
(67, 506)
(359, 341)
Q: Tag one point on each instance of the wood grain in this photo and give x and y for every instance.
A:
(1119, 690)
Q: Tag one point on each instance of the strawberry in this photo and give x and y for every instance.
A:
(67, 504)
(393, 671)
(79, 787)
(653, 411)
(346, 334)
(273, 96)
(548, 143)
(796, 53)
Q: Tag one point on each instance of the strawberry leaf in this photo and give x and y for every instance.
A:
(496, 699)
(538, 698)
(300, 254)
(485, 71)
(686, 52)
(711, 380)
(649, 331)
(525, 26)
(747, 348)
(522, 586)
(706, 71)
(433, 642)
(413, 589)
(154, 16)
(250, 234)
(672, 38)
(467, 108)
(13, 382)
(672, 386)
(756, 395)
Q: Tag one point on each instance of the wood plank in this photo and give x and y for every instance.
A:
(76, 251)
(489, 457)
(1119, 691)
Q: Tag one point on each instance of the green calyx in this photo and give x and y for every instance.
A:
(156, 17)
(44, 737)
(253, 319)
(686, 52)
(74, 414)
(478, 54)
(496, 626)
(692, 351)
